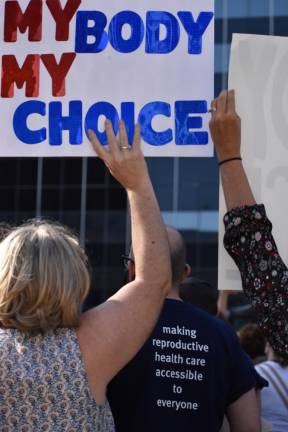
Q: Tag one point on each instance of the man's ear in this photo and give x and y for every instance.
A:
(186, 272)
(131, 271)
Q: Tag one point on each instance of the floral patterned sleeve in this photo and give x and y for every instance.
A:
(249, 241)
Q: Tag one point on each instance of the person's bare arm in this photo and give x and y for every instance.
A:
(112, 333)
(243, 414)
(235, 184)
(225, 127)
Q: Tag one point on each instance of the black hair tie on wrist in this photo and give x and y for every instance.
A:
(229, 160)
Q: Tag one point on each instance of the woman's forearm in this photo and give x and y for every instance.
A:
(225, 127)
(149, 237)
(236, 187)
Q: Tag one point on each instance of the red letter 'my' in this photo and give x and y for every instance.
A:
(15, 19)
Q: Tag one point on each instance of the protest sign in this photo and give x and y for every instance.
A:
(67, 65)
(259, 74)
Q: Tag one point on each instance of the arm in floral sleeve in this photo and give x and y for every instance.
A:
(250, 243)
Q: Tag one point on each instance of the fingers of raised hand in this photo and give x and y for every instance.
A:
(221, 103)
(137, 138)
(224, 108)
(225, 103)
(213, 108)
(123, 138)
(98, 147)
(116, 149)
(231, 102)
(111, 138)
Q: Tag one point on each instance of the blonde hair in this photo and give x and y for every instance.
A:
(43, 277)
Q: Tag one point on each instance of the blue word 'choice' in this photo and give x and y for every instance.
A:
(187, 122)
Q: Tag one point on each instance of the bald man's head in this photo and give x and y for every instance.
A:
(177, 252)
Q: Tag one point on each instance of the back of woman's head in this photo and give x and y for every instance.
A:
(252, 340)
(43, 277)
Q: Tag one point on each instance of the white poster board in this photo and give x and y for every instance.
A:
(68, 64)
(259, 74)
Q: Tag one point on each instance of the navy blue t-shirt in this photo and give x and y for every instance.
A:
(185, 376)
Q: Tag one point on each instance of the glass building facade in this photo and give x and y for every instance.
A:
(81, 193)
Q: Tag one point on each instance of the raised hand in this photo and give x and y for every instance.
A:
(225, 126)
(126, 163)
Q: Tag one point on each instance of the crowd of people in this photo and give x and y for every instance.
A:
(164, 364)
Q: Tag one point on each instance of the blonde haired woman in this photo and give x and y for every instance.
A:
(55, 363)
